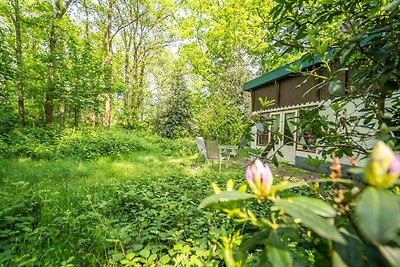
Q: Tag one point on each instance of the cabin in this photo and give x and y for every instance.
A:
(292, 93)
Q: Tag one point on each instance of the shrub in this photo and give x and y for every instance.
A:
(53, 143)
(338, 222)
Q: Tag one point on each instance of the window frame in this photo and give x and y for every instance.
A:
(300, 145)
(260, 135)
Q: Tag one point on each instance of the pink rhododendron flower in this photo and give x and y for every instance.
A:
(259, 178)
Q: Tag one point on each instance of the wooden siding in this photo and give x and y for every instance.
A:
(270, 91)
(290, 91)
(293, 91)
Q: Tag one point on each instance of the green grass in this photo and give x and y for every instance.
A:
(109, 198)
(139, 208)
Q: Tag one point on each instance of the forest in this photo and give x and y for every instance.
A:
(130, 63)
(100, 104)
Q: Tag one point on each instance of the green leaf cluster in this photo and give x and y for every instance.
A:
(335, 222)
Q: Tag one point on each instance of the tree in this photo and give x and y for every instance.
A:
(173, 118)
(223, 40)
(59, 9)
(143, 39)
(16, 21)
(360, 36)
(7, 73)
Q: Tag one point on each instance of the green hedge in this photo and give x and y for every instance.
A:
(53, 143)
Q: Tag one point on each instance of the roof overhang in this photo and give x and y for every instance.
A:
(303, 63)
(279, 73)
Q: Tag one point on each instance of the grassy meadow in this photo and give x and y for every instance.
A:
(115, 198)
(137, 207)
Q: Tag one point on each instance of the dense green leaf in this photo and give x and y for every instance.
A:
(250, 244)
(378, 215)
(279, 257)
(391, 5)
(391, 254)
(336, 88)
(225, 196)
(350, 254)
(164, 259)
(319, 225)
(145, 253)
(316, 206)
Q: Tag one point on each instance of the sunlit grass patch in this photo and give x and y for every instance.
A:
(95, 212)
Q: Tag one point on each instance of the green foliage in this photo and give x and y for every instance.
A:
(138, 209)
(376, 222)
(338, 222)
(358, 38)
(315, 162)
(266, 103)
(6, 71)
(8, 117)
(173, 118)
(86, 144)
(223, 123)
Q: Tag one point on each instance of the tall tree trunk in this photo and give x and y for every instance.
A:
(126, 82)
(109, 39)
(18, 49)
(93, 118)
(380, 103)
(59, 10)
(21, 105)
(48, 105)
(62, 110)
(127, 39)
(107, 112)
(86, 20)
(76, 116)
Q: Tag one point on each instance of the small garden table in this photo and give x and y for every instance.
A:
(229, 150)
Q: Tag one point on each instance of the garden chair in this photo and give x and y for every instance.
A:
(213, 153)
(201, 147)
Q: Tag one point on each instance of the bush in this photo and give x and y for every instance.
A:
(86, 144)
(336, 222)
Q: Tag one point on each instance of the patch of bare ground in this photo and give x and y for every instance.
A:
(294, 174)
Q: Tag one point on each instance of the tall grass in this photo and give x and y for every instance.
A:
(86, 144)
(138, 206)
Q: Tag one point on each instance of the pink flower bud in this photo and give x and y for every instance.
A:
(260, 178)
(383, 168)
(394, 168)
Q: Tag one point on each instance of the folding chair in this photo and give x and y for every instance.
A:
(213, 153)
(201, 147)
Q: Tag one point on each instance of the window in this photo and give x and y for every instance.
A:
(262, 139)
(288, 129)
(262, 134)
(275, 128)
(306, 140)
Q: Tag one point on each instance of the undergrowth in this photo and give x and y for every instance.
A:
(133, 208)
(86, 144)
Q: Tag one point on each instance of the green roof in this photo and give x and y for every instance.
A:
(278, 73)
(302, 62)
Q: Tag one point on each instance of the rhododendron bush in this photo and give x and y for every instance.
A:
(334, 221)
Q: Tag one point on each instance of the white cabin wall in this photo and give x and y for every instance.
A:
(352, 109)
